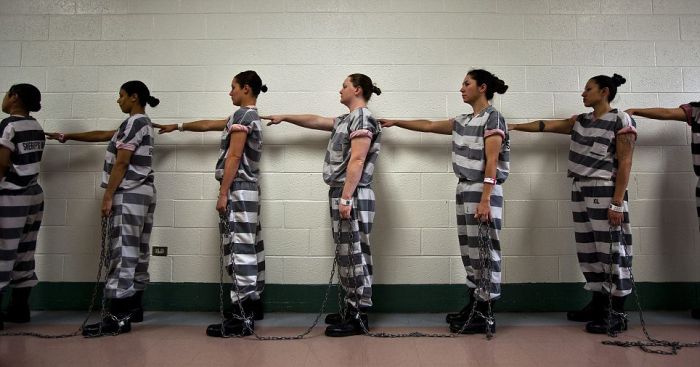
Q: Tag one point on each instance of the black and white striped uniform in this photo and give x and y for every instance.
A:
(248, 256)
(133, 205)
(593, 166)
(692, 116)
(469, 133)
(21, 200)
(358, 123)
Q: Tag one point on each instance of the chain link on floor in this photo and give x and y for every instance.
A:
(246, 319)
(651, 345)
(106, 230)
(485, 250)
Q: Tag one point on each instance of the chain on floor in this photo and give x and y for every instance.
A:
(106, 230)
(242, 316)
(485, 250)
(651, 345)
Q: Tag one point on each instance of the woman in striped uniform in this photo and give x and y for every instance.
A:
(348, 169)
(237, 169)
(480, 159)
(21, 197)
(130, 200)
(690, 114)
(600, 160)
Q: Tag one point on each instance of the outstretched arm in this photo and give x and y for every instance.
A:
(563, 126)
(196, 126)
(88, 136)
(438, 127)
(659, 113)
(308, 121)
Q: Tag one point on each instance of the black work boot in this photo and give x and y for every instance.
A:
(137, 307)
(118, 322)
(596, 309)
(351, 324)
(617, 320)
(463, 314)
(695, 313)
(231, 327)
(478, 324)
(18, 309)
(338, 317)
(251, 307)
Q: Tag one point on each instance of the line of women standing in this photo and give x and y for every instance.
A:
(602, 142)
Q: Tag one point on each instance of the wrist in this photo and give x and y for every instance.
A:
(617, 207)
(345, 202)
(180, 126)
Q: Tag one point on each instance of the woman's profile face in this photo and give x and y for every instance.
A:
(470, 90)
(347, 91)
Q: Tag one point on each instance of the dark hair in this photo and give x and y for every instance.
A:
(605, 81)
(140, 89)
(493, 83)
(28, 94)
(251, 79)
(364, 82)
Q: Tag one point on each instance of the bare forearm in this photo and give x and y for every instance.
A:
(91, 136)
(660, 113)
(230, 171)
(310, 121)
(622, 180)
(204, 125)
(550, 126)
(489, 171)
(352, 177)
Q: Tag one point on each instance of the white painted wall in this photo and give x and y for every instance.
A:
(78, 52)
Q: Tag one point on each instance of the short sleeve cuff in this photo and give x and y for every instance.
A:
(688, 113)
(362, 133)
(7, 144)
(627, 130)
(125, 146)
(239, 127)
(500, 132)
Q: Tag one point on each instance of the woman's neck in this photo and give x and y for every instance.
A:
(355, 104)
(601, 109)
(479, 106)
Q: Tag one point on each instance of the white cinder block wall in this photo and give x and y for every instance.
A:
(78, 53)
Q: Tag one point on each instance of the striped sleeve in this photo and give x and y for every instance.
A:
(495, 125)
(8, 132)
(625, 124)
(132, 135)
(242, 120)
(363, 125)
(692, 114)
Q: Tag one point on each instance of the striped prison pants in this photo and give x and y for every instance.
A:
(248, 256)
(590, 200)
(132, 221)
(20, 218)
(359, 288)
(467, 200)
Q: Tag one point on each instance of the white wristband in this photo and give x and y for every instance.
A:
(616, 208)
(489, 180)
(342, 201)
(181, 127)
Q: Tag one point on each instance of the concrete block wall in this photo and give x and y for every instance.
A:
(79, 52)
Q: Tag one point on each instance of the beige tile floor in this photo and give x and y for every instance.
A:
(177, 339)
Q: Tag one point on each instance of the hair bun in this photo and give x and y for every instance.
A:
(263, 88)
(501, 86)
(153, 101)
(376, 90)
(618, 80)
